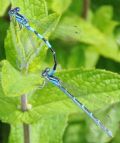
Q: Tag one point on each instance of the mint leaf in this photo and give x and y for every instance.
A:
(110, 117)
(100, 86)
(59, 6)
(47, 25)
(22, 47)
(15, 83)
(16, 133)
(18, 44)
(3, 6)
(48, 129)
(103, 20)
(32, 9)
(79, 30)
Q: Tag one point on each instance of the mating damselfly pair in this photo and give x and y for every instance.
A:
(48, 73)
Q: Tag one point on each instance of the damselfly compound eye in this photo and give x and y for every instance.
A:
(17, 9)
(45, 72)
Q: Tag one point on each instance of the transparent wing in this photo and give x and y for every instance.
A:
(45, 25)
(69, 33)
(86, 110)
(89, 93)
(74, 89)
(30, 44)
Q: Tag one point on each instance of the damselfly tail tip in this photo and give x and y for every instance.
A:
(110, 134)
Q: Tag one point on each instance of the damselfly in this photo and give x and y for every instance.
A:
(56, 81)
(23, 22)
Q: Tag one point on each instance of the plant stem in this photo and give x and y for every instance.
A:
(26, 127)
(24, 102)
(86, 6)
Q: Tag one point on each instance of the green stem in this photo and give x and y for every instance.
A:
(86, 6)
(26, 127)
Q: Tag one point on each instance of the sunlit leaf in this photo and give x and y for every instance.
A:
(3, 31)
(77, 29)
(59, 6)
(3, 6)
(15, 83)
(111, 118)
(48, 129)
(22, 46)
(100, 87)
(32, 9)
(103, 20)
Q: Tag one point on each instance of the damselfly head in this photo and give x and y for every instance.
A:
(13, 11)
(17, 9)
(45, 72)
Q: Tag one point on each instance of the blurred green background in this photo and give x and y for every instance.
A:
(95, 45)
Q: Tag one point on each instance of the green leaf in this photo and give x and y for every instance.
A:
(95, 4)
(79, 30)
(32, 9)
(76, 7)
(91, 57)
(50, 107)
(9, 104)
(15, 83)
(59, 6)
(77, 57)
(111, 118)
(3, 6)
(99, 86)
(3, 31)
(103, 20)
(16, 134)
(48, 129)
(18, 45)
(10, 111)
(48, 25)
(82, 55)
(22, 47)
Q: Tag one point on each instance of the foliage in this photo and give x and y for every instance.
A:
(80, 45)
